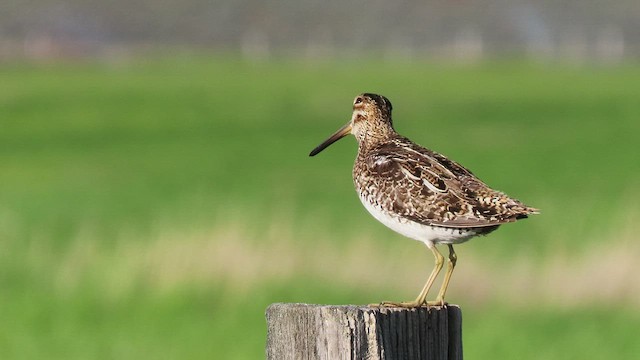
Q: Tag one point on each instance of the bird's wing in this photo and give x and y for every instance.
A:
(430, 189)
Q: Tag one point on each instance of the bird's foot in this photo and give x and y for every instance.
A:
(437, 302)
(404, 304)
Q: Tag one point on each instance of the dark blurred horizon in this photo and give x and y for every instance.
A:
(462, 30)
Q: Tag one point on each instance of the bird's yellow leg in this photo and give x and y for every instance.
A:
(432, 277)
(420, 300)
(451, 264)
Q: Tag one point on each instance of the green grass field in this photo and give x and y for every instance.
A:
(153, 209)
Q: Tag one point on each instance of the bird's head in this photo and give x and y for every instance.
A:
(370, 122)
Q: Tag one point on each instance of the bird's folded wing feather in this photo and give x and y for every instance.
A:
(430, 189)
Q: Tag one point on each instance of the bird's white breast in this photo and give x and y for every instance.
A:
(428, 234)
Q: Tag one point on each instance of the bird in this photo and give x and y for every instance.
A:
(419, 193)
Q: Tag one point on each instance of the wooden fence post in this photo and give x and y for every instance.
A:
(303, 331)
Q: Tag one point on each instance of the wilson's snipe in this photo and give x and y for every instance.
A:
(420, 193)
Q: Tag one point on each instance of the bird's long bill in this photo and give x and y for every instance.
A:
(342, 132)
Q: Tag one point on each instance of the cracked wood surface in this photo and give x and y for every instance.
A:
(303, 331)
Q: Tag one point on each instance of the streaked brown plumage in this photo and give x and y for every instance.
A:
(417, 192)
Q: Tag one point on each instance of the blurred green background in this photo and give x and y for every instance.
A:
(156, 193)
(154, 209)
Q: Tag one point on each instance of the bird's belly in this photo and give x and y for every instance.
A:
(421, 232)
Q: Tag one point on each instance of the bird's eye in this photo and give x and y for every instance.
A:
(357, 101)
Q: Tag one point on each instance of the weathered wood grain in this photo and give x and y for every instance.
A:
(303, 331)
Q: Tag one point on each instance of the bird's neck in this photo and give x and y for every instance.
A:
(368, 140)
